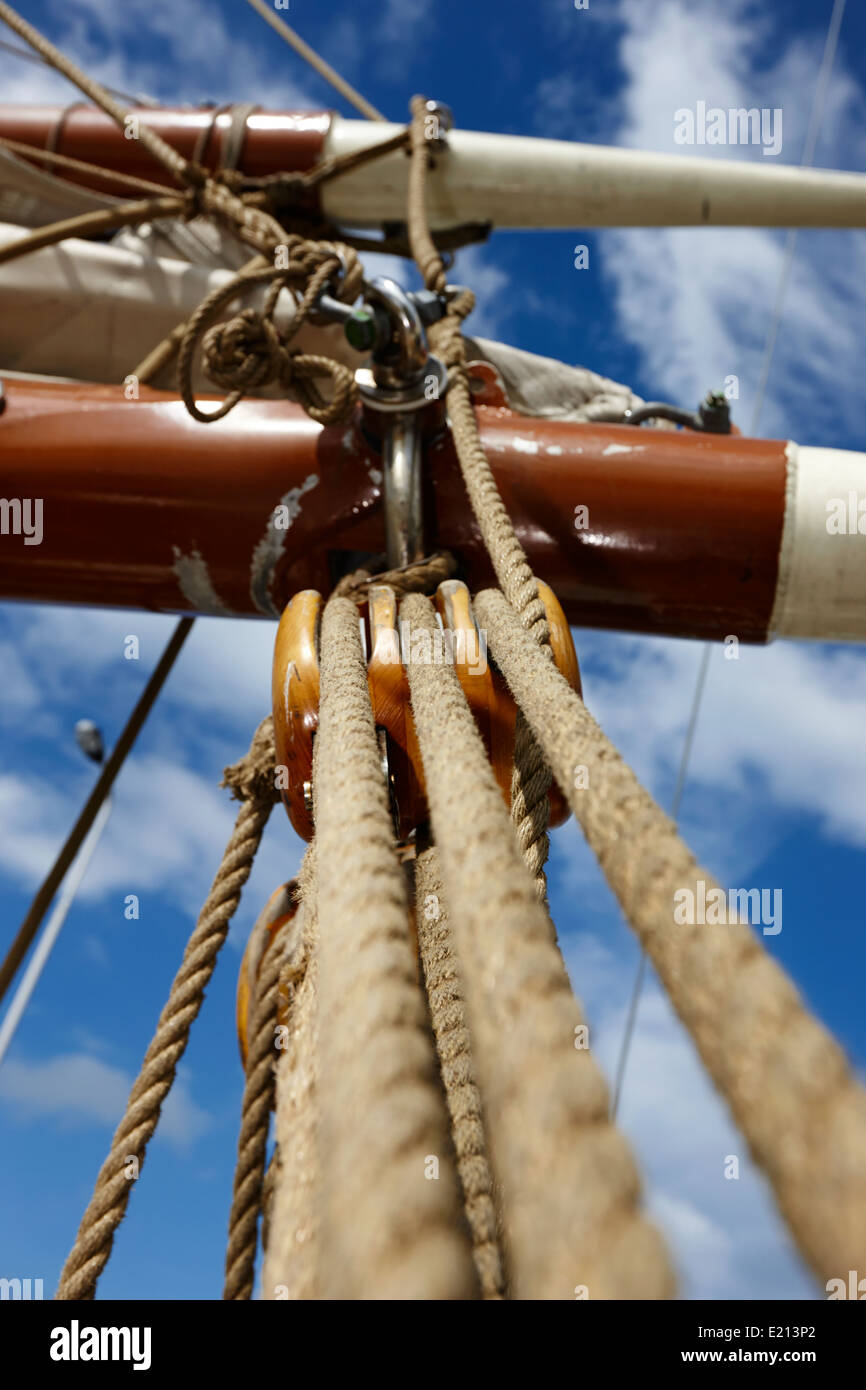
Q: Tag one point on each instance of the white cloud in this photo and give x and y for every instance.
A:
(785, 720)
(165, 839)
(76, 1090)
(202, 57)
(697, 302)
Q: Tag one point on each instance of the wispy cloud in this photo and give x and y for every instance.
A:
(78, 1090)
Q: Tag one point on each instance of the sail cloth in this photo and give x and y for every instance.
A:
(93, 310)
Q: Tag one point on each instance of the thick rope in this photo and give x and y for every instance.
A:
(450, 1029)
(258, 1101)
(530, 809)
(787, 1082)
(291, 1242)
(570, 1188)
(391, 1217)
(252, 782)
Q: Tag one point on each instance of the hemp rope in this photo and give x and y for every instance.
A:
(290, 1268)
(530, 809)
(418, 576)
(252, 782)
(787, 1082)
(569, 1185)
(258, 1101)
(388, 1230)
(450, 1030)
(80, 166)
(89, 224)
(249, 350)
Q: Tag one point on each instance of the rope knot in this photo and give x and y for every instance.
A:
(244, 352)
(252, 779)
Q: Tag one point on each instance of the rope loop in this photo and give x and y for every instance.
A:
(249, 350)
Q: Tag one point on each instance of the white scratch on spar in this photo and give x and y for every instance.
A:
(193, 577)
(270, 548)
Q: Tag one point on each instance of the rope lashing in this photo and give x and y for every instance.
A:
(291, 1263)
(418, 577)
(249, 350)
(786, 1081)
(448, 1017)
(570, 1186)
(391, 1228)
(252, 782)
(531, 778)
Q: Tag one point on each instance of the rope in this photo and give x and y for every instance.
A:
(65, 161)
(418, 577)
(91, 224)
(786, 1081)
(448, 1016)
(292, 1237)
(249, 351)
(138, 100)
(154, 144)
(391, 1224)
(252, 226)
(316, 63)
(530, 808)
(676, 802)
(569, 1184)
(258, 1101)
(252, 782)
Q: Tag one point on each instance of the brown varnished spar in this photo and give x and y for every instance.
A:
(145, 508)
(275, 141)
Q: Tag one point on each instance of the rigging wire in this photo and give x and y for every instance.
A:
(813, 132)
(316, 63)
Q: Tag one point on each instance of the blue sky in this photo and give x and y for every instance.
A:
(775, 797)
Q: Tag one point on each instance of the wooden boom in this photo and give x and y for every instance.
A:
(510, 180)
(673, 532)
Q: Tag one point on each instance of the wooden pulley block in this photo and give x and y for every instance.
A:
(390, 645)
(277, 911)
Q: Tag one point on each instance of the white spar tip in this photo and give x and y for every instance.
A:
(821, 588)
(518, 181)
